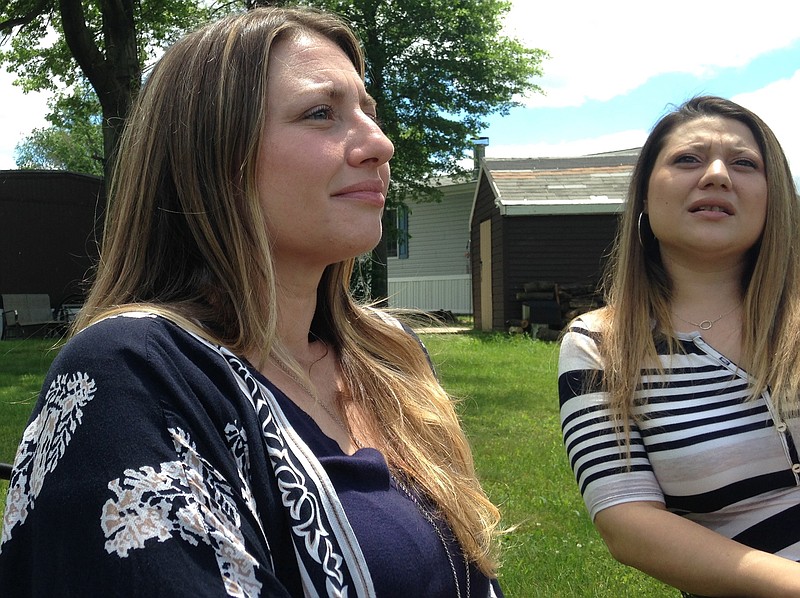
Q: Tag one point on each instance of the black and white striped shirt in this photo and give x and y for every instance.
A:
(699, 446)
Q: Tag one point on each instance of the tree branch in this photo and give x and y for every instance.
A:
(81, 43)
(38, 9)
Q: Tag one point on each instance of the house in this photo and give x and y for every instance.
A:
(428, 266)
(545, 221)
(49, 226)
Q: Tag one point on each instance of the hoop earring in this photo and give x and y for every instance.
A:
(639, 229)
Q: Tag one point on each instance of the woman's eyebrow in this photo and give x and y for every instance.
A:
(368, 101)
(336, 92)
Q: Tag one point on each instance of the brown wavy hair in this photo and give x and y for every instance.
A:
(638, 288)
(184, 237)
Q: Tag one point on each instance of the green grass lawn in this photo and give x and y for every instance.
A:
(508, 388)
(23, 365)
(507, 385)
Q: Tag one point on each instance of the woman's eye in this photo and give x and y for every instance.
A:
(686, 159)
(376, 119)
(320, 113)
(747, 162)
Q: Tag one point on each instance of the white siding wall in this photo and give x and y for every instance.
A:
(436, 274)
(431, 293)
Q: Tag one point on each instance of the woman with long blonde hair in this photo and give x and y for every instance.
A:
(679, 399)
(226, 419)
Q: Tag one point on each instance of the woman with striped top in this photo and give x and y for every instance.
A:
(679, 399)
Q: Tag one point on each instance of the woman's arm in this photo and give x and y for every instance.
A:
(129, 480)
(691, 557)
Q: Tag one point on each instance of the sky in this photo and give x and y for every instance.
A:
(614, 68)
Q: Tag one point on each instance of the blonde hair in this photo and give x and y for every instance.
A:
(638, 288)
(184, 237)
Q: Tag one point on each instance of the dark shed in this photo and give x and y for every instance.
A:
(543, 219)
(49, 227)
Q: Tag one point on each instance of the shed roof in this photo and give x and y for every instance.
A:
(56, 187)
(594, 184)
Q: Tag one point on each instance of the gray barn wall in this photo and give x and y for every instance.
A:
(561, 248)
(485, 209)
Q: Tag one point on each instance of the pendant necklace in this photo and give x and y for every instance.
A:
(707, 324)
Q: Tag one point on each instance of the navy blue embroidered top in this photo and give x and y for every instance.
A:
(144, 471)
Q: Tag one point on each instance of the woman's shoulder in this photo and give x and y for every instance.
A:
(141, 364)
(580, 342)
(590, 322)
(118, 326)
(129, 330)
(130, 337)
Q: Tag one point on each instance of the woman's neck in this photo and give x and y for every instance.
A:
(699, 287)
(709, 301)
(296, 296)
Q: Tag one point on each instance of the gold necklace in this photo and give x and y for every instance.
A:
(335, 417)
(707, 324)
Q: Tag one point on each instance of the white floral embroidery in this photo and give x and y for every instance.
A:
(185, 498)
(43, 445)
(237, 443)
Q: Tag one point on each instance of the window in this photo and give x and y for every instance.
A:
(396, 221)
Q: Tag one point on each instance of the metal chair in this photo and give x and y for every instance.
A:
(9, 320)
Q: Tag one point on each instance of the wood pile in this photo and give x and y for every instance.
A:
(551, 306)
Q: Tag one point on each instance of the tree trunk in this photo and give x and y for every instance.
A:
(376, 59)
(114, 72)
(379, 274)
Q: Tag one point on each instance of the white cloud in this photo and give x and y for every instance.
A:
(600, 50)
(776, 104)
(576, 147)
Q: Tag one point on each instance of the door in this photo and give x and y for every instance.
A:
(486, 274)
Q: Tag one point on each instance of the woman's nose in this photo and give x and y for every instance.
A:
(371, 145)
(716, 174)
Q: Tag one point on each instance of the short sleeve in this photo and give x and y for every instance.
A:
(606, 474)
